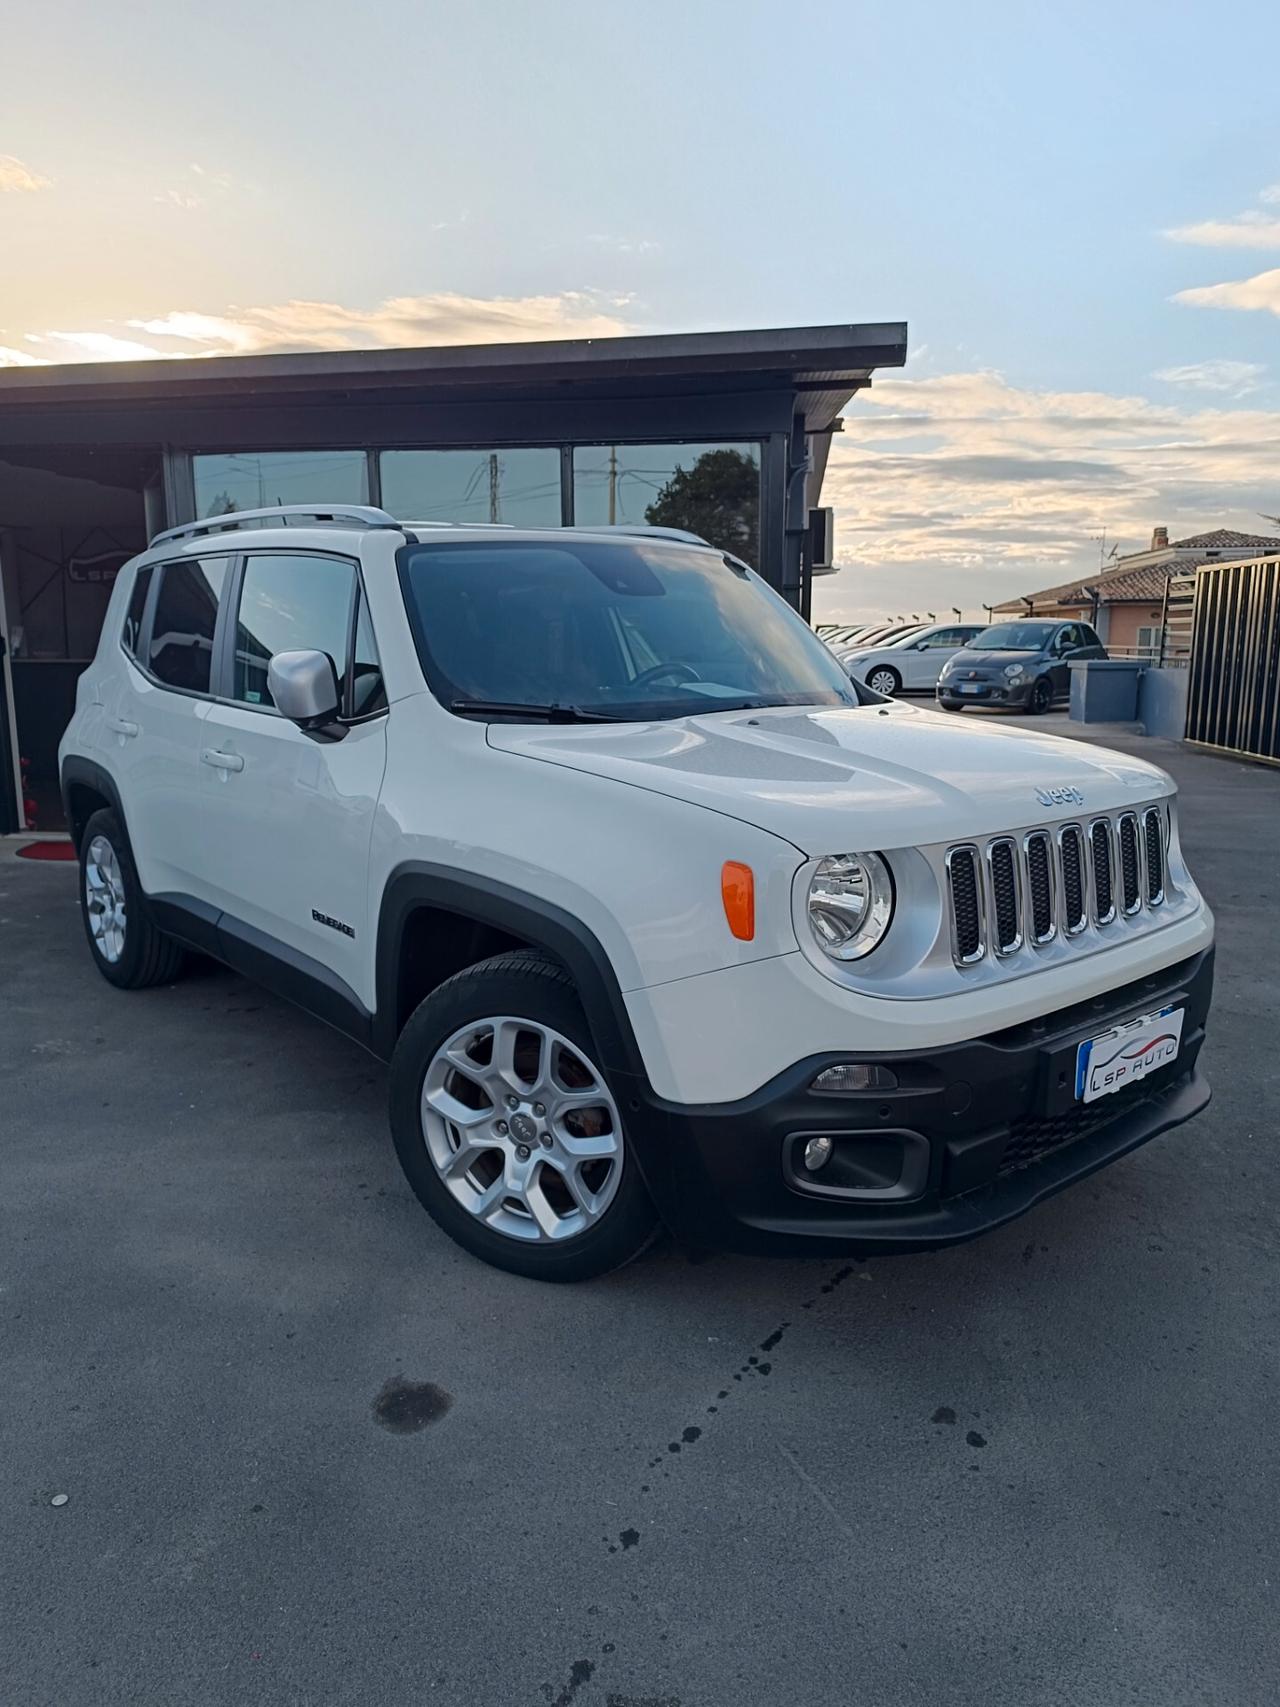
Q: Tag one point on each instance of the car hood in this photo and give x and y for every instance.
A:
(839, 779)
(994, 660)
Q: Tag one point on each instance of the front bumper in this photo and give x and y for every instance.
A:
(994, 692)
(985, 1129)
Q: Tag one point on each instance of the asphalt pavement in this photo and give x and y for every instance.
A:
(313, 1453)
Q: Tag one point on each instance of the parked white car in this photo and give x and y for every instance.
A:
(910, 662)
(655, 914)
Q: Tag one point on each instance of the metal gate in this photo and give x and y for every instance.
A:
(1233, 698)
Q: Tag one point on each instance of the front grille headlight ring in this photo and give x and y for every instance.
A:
(850, 904)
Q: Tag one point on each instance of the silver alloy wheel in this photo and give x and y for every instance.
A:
(522, 1129)
(104, 895)
(883, 681)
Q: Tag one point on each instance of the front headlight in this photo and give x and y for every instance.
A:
(850, 904)
(1012, 670)
(947, 668)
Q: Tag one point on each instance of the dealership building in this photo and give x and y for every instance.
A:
(726, 433)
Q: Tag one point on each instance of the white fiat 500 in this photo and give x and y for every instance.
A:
(911, 662)
(656, 915)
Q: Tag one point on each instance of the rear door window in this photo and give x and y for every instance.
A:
(186, 617)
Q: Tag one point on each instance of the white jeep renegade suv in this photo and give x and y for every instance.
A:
(655, 914)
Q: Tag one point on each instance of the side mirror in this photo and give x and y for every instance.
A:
(304, 688)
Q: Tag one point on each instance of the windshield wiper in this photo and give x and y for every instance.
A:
(541, 713)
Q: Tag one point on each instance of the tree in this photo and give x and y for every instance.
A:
(718, 498)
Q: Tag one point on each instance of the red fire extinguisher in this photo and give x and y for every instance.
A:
(29, 808)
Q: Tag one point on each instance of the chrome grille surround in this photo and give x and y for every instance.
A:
(1042, 887)
(1102, 870)
(1128, 842)
(1154, 855)
(1074, 870)
(1022, 893)
(964, 894)
(1004, 879)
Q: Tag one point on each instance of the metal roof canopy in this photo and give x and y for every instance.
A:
(822, 365)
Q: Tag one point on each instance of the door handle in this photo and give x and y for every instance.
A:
(222, 761)
(121, 726)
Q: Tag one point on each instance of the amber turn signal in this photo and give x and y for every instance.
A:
(738, 892)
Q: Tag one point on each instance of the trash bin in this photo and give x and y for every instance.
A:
(1105, 690)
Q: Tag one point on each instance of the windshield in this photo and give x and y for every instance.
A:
(613, 629)
(882, 636)
(1013, 637)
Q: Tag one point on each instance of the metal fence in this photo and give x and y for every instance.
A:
(1233, 696)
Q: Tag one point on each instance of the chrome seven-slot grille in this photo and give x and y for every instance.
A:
(1011, 890)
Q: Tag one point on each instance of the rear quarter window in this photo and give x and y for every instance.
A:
(132, 633)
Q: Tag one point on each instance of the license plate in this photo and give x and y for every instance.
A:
(1127, 1053)
(970, 687)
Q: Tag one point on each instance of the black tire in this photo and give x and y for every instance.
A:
(523, 985)
(892, 680)
(1041, 697)
(147, 956)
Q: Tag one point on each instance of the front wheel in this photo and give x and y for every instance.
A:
(507, 1129)
(884, 680)
(1041, 697)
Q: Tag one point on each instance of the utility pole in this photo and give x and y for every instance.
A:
(957, 613)
(613, 484)
(989, 610)
(493, 486)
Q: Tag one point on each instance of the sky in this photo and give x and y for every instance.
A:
(1076, 210)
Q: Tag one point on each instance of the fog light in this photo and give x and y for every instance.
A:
(817, 1153)
(855, 1076)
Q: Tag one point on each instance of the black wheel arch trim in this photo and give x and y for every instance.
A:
(86, 773)
(541, 924)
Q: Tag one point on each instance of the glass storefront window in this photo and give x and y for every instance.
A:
(711, 489)
(259, 480)
(519, 485)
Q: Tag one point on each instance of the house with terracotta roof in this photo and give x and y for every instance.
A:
(1124, 603)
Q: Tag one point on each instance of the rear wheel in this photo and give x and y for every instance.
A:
(1041, 697)
(507, 1129)
(883, 679)
(127, 948)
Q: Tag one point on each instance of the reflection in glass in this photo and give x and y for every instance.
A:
(520, 485)
(259, 480)
(712, 490)
(290, 603)
(629, 629)
(185, 618)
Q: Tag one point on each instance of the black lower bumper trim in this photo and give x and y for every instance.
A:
(997, 1114)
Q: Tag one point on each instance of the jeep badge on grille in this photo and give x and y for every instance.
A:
(1059, 797)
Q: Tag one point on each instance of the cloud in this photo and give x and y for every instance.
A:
(9, 357)
(1234, 377)
(625, 245)
(296, 326)
(1252, 230)
(444, 318)
(90, 346)
(17, 177)
(964, 488)
(1261, 291)
(179, 198)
